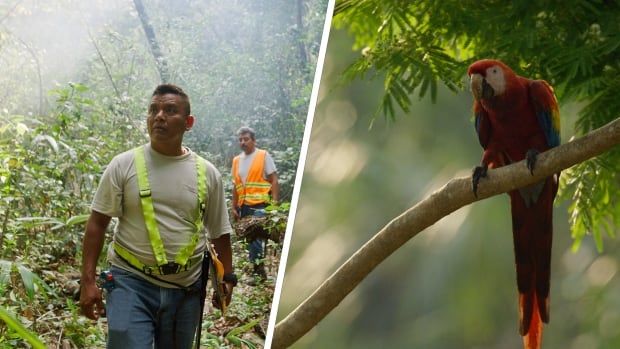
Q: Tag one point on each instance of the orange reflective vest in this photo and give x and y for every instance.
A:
(256, 188)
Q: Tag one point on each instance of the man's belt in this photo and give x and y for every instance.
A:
(165, 269)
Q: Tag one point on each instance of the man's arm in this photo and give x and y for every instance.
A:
(90, 296)
(275, 187)
(224, 254)
(235, 205)
(217, 223)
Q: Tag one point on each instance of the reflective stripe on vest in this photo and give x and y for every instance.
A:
(149, 212)
(256, 188)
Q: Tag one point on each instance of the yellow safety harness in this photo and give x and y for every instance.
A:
(182, 261)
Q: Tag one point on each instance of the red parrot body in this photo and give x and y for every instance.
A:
(516, 118)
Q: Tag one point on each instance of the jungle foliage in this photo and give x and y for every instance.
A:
(69, 105)
(416, 45)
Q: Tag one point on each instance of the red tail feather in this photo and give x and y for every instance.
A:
(533, 337)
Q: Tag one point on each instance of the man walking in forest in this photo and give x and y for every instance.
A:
(254, 178)
(170, 204)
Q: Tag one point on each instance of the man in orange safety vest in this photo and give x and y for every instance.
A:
(254, 177)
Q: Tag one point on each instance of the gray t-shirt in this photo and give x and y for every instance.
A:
(245, 161)
(173, 185)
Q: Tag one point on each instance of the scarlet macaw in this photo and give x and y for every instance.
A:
(516, 118)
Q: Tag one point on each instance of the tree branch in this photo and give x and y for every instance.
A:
(454, 195)
(160, 60)
(105, 64)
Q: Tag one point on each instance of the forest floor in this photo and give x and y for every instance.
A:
(245, 324)
(53, 311)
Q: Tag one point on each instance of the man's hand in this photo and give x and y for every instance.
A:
(91, 302)
(228, 289)
(235, 214)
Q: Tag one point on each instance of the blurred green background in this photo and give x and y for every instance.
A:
(452, 286)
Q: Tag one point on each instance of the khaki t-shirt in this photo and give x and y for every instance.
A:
(173, 185)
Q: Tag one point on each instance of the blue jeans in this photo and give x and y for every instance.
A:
(256, 246)
(142, 315)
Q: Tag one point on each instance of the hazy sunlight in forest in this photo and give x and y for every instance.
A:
(447, 228)
(317, 260)
(344, 160)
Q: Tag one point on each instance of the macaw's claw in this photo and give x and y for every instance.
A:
(530, 158)
(477, 173)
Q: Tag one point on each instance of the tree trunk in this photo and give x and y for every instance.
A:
(160, 60)
(303, 56)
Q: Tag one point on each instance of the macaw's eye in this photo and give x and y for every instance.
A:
(494, 70)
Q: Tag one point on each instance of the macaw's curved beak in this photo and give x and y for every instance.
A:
(480, 88)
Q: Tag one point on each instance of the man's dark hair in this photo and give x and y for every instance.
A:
(248, 130)
(165, 89)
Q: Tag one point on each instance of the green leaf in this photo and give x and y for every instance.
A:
(5, 272)
(433, 90)
(242, 329)
(28, 278)
(36, 221)
(49, 139)
(79, 87)
(77, 219)
(21, 330)
(21, 129)
(598, 240)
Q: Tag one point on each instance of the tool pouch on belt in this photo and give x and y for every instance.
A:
(204, 276)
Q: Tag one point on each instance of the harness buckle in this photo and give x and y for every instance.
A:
(145, 193)
(170, 268)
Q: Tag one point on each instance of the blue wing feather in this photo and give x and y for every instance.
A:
(482, 124)
(547, 112)
(551, 134)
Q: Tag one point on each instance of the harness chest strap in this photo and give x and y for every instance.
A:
(182, 260)
(129, 258)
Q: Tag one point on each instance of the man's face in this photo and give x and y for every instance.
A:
(167, 119)
(246, 143)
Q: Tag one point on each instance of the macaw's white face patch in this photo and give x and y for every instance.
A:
(495, 78)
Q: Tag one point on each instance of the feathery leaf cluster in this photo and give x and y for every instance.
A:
(574, 45)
